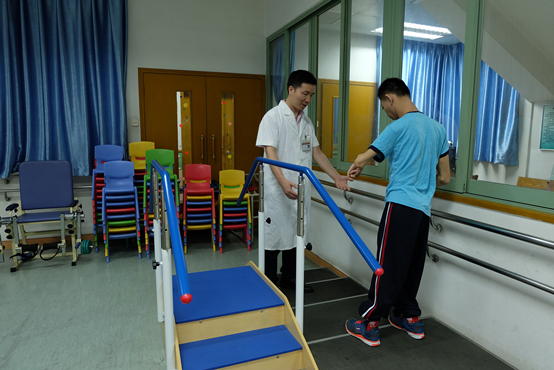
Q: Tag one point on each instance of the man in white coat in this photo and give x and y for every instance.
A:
(288, 135)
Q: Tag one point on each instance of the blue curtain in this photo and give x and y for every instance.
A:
(62, 80)
(433, 72)
(277, 54)
(292, 49)
(496, 136)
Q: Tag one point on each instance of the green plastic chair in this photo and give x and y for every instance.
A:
(166, 158)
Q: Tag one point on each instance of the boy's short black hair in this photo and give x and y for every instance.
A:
(299, 77)
(393, 86)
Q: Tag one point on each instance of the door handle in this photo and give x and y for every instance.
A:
(213, 146)
(202, 146)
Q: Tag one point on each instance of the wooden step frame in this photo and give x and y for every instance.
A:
(247, 321)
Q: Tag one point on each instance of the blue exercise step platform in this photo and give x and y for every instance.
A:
(223, 292)
(238, 348)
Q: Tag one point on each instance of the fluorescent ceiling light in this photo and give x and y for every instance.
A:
(422, 27)
(421, 31)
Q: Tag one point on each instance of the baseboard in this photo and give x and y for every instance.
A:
(322, 263)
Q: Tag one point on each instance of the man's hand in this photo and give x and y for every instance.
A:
(288, 187)
(341, 182)
(354, 171)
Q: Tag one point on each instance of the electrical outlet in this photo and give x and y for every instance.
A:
(134, 122)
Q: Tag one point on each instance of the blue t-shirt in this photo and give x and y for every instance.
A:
(413, 145)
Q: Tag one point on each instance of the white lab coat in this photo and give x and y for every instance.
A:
(280, 130)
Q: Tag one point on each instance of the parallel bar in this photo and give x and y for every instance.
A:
(465, 221)
(497, 230)
(368, 220)
(174, 231)
(360, 245)
(510, 274)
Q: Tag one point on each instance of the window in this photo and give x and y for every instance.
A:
(512, 140)
(277, 71)
(300, 48)
(482, 68)
(328, 63)
(432, 63)
(366, 24)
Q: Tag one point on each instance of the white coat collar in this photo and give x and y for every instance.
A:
(291, 119)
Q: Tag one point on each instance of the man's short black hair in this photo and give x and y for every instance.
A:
(393, 86)
(299, 77)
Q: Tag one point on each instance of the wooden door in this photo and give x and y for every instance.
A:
(209, 135)
(159, 121)
(360, 117)
(234, 125)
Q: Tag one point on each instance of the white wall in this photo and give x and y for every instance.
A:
(507, 318)
(533, 162)
(363, 56)
(213, 36)
(302, 47)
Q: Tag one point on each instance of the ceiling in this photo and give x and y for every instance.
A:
(532, 17)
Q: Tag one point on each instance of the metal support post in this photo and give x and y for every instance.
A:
(62, 221)
(299, 310)
(167, 271)
(157, 245)
(78, 227)
(16, 248)
(261, 223)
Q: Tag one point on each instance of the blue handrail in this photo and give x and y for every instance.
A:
(179, 256)
(360, 245)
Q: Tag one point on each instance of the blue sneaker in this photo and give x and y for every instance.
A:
(359, 329)
(410, 325)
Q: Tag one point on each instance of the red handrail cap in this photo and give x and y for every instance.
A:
(186, 298)
(379, 271)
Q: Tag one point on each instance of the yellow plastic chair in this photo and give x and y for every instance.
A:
(232, 216)
(137, 152)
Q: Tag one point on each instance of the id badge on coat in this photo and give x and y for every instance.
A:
(306, 144)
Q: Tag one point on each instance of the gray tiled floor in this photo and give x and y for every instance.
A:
(95, 315)
(100, 315)
(333, 349)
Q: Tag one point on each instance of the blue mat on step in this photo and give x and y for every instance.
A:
(223, 292)
(237, 348)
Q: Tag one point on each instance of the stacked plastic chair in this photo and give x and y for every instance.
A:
(165, 158)
(231, 215)
(137, 152)
(102, 155)
(120, 209)
(198, 201)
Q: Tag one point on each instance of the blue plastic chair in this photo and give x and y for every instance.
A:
(102, 155)
(120, 212)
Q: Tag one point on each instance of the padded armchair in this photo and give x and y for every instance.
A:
(46, 189)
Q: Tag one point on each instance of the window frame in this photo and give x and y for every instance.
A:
(393, 23)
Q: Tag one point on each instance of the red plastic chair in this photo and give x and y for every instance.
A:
(198, 201)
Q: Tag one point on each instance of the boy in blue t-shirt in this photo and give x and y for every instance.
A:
(417, 149)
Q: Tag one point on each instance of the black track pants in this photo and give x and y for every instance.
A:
(401, 250)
